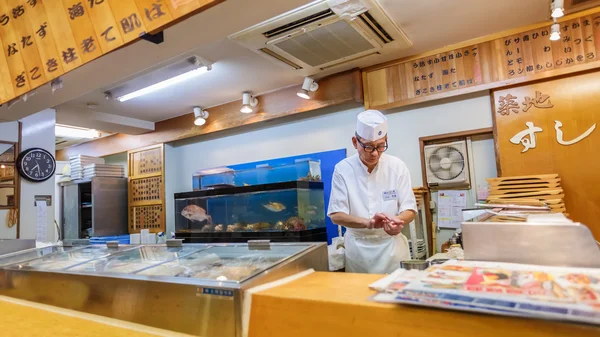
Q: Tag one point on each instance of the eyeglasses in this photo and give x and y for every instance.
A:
(371, 149)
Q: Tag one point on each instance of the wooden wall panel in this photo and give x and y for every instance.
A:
(146, 167)
(503, 59)
(572, 101)
(44, 39)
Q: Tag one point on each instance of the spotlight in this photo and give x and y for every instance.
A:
(201, 116)
(248, 102)
(557, 8)
(555, 29)
(308, 85)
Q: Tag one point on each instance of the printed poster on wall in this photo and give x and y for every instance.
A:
(450, 206)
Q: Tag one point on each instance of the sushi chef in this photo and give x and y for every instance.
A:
(372, 197)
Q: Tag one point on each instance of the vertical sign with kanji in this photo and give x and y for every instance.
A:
(105, 25)
(11, 43)
(29, 49)
(155, 13)
(88, 47)
(63, 36)
(44, 39)
(552, 127)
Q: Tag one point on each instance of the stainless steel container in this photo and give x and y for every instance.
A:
(414, 264)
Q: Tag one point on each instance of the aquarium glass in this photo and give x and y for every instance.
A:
(292, 209)
(301, 170)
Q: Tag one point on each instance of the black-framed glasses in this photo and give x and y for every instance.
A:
(371, 149)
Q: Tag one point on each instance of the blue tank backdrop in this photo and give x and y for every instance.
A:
(328, 161)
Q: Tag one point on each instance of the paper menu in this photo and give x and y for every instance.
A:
(41, 222)
(450, 206)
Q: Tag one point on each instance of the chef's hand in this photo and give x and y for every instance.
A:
(393, 227)
(379, 220)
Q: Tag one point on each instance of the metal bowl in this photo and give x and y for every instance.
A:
(414, 264)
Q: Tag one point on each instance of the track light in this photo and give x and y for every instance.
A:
(555, 32)
(200, 116)
(248, 102)
(308, 85)
(557, 8)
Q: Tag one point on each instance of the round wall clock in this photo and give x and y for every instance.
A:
(36, 164)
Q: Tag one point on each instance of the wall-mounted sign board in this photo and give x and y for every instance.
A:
(510, 59)
(553, 127)
(43, 39)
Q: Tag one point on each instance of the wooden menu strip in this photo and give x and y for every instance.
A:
(519, 80)
(511, 59)
(479, 40)
(42, 40)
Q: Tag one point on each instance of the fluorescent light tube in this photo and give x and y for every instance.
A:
(165, 83)
(69, 132)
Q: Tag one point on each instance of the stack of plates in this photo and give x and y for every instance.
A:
(420, 247)
(103, 170)
(79, 161)
(536, 190)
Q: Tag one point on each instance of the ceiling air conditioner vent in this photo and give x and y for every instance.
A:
(298, 23)
(314, 37)
(376, 28)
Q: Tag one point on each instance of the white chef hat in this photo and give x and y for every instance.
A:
(371, 125)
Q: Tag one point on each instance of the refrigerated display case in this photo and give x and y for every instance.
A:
(195, 289)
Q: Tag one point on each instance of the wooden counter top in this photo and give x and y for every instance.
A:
(20, 318)
(335, 304)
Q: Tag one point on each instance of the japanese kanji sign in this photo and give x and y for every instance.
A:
(529, 53)
(551, 127)
(44, 39)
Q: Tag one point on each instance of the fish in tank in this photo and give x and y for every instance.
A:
(287, 209)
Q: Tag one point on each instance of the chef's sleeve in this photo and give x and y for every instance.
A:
(338, 199)
(406, 197)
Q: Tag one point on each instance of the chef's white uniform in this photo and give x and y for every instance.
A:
(357, 192)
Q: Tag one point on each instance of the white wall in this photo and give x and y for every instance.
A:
(9, 132)
(322, 130)
(118, 159)
(37, 131)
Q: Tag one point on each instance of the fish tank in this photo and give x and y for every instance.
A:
(280, 212)
(300, 170)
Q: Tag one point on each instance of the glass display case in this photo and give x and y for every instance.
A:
(301, 170)
(200, 286)
(280, 212)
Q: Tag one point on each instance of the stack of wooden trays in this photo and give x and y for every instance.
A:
(535, 190)
(420, 194)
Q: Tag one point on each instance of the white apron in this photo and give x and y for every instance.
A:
(374, 251)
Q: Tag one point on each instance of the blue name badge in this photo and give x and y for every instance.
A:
(390, 195)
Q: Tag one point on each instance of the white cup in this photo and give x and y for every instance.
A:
(135, 239)
(151, 238)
